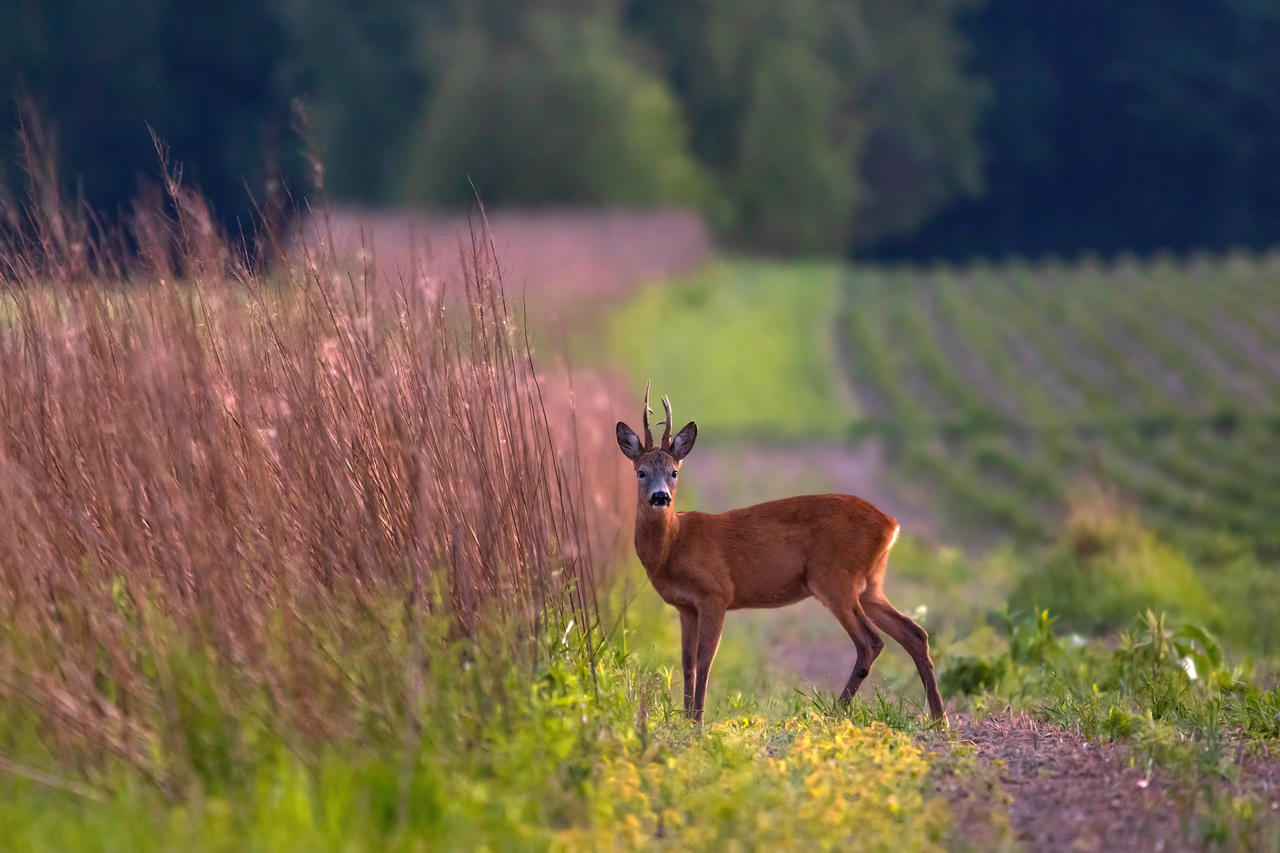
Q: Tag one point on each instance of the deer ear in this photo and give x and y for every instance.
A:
(683, 442)
(629, 442)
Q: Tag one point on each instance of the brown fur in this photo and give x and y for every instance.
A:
(833, 547)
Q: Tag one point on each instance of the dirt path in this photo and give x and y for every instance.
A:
(1064, 792)
(1018, 782)
(1067, 793)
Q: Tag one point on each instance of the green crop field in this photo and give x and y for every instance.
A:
(1008, 390)
(1003, 391)
(1006, 401)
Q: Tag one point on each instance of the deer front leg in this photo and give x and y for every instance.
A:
(710, 626)
(688, 654)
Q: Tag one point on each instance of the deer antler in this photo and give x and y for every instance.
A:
(648, 436)
(666, 432)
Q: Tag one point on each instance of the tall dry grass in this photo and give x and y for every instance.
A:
(260, 474)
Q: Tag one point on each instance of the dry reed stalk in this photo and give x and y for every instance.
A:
(247, 455)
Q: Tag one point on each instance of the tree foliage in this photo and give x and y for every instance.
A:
(203, 77)
(360, 68)
(792, 184)
(551, 109)
(1122, 126)
(920, 109)
(830, 124)
(797, 127)
(917, 128)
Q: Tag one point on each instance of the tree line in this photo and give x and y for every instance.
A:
(914, 128)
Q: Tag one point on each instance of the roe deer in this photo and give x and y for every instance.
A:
(833, 547)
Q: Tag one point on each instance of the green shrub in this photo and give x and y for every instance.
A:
(966, 675)
(1169, 688)
(1248, 590)
(1107, 568)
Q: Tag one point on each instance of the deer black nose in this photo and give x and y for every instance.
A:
(659, 499)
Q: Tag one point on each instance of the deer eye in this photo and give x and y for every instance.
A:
(674, 474)
(640, 474)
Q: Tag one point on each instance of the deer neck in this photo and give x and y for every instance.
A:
(655, 537)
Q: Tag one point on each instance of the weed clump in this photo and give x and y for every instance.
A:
(1105, 568)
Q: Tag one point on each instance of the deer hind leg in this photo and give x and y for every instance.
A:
(911, 637)
(848, 610)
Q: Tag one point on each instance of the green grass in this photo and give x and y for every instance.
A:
(808, 781)
(573, 757)
(745, 349)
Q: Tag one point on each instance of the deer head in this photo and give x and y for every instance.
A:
(656, 467)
